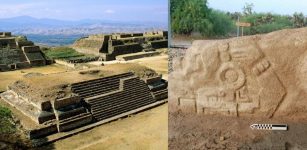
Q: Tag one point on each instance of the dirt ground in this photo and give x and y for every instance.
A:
(9, 77)
(198, 132)
(157, 63)
(143, 131)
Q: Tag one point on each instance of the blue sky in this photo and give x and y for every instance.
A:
(125, 10)
(274, 6)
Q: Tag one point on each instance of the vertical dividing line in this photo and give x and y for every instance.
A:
(238, 28)
(169, 24)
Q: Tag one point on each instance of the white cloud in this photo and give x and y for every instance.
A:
(109, 11)
(8, 10)
(49, 10)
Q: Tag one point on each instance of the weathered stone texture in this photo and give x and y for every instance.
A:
(110, 46)
(17, 52)
(261, 75)
(63, 106)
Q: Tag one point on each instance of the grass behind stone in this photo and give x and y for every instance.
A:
(62, 52)
(6, 125)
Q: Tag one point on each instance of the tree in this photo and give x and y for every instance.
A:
(248, 9)
(298, 20)
(222, 23)
(234, 16)
(190, 16)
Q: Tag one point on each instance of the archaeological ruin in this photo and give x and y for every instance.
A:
(260, 75)
(62, 102)
(17, 52)
(108, 46)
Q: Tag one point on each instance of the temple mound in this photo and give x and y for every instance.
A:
(57, 103)
(17, 52)
(109, 46)
(260, 75)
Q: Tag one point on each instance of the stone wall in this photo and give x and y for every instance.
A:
(7, 43)
(110, 46)
(18, 52)
(42, 132)
(5, 34)
(59, 103)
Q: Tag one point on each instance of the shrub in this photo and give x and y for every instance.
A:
(6, 126)
(266, 22)
(222, 23)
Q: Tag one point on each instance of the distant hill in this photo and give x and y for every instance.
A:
(62, 32)
(30, 25)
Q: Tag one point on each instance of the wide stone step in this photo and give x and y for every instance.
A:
(103, 79)
(138, 55)
(119, 101)
(123, 109)
(96, 85)
(97, 94)
(123, 104)
(118, 95)
(157, 87)
(70, 113)
(75, 122)
(113, 113)
(95, 90)
(74, 117)
(79, 84)
(129, 92)
(161, 91)
(92, 93)
(162, 94)
(138, 88)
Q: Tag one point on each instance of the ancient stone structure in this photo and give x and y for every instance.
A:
(61, 105)
(111, 45)
(261, 75)
(17, 52)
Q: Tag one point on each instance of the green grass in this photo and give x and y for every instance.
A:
(62, 53)
(6, 126)
(65, 53)
(5, 112)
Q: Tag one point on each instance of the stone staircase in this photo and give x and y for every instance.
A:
(111, 96)
(70, 113)
(158, 87)
(74, 121)
(160, 94)
(98, 86)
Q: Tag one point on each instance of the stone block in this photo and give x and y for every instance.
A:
(30, 49)
(42, 132)
(187, 104)
(59, 103)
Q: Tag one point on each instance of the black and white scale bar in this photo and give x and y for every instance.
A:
(269, 126)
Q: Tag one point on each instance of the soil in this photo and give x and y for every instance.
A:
(157, 63)
(10, 77)
(197, 132)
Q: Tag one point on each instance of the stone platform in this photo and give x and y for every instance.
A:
(69, 106)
